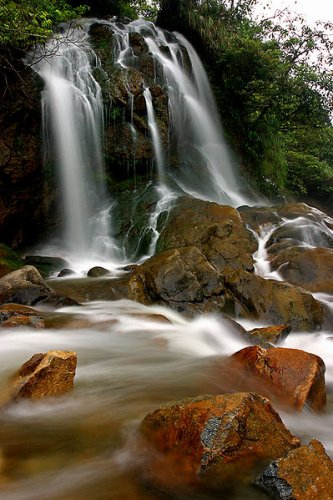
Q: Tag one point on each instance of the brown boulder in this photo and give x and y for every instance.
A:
(290, 376)
(304, 474)
(217, 231)
(274, 301)
(269, 334)
(310, 268)
(213, 438)
(48, 374)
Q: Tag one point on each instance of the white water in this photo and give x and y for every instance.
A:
(73, 125)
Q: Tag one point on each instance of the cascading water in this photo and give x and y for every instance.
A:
(73, 124)
(205, 169)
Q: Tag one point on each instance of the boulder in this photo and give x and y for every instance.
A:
(48, 374)
(66, 272)
(44, 264)
(290, 376)
(306, 473)
(274, 301)
(97, 272)
(26, 286)
(12, 315)
(9, 260)
(310, 268)
(216, 230)
(213, 438)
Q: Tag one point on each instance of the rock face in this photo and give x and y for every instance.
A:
(48, 374)
(9, 260)
(211, 438)
(27, 200)
(292, 377)
(305, 473)
(269, 335)
(26, 286)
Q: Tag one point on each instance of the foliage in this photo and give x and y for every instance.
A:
(273, 86)
(122, 8)
(24, 24)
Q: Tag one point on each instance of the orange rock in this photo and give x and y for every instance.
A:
(270, 334)
(304, 474)
(12, 315)
(294, 377)
(48, 374)
(213, 438)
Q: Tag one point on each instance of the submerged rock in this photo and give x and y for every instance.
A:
(48, 374)
(213, 438)
(26, 286)
(305, 473)
(292, 377)
(44, 264)
(269, 334)
(12, 315)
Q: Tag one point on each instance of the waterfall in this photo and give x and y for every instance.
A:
(73, 127)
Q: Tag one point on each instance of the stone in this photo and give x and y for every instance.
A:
(66, 272)
(216, 230)
(306, 473)
(44, 264)
(26, 286)
(97, 272)
(43, 375)
(213, 439)
(138, 43)
(290, 376)
(9, 260)
(269, 334)
(12, 315)
(274, 301)
(309, 268)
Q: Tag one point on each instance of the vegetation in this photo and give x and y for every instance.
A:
(273, 88)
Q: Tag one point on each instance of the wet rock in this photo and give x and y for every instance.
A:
(178, 276)
(310, 268)
(274, 301)
(269, 334)
(217, 231)
(26, 286)
(290, 376)
(213, 438)
(65, 272)
(45, 374)
(12, 315)
(138, 43)
(305, 473)
(97, 272)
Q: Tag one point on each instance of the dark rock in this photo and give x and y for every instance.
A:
(213, 438)
(65, 272)
(44, 264)
(304, 474)
(9, 260)
(26, 286)
(97, 272)
(138, 43)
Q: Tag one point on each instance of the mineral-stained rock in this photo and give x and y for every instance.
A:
(304, 474)
(213, 438)
(48, 374)
(269, 334)
(26, 286)
(12, 315)
(293, 377)
(274, 301)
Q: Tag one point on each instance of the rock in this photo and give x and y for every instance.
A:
(66, 272)
(12, 315)
(26, 286)
(97, 272)
(274, 301)
(9, 260)
(305, 473)
(292, 377)
(310, 268)
(44, 264)
(48, 374)
(213, 438)
(269, 334)
(217, 231)
(138, 43)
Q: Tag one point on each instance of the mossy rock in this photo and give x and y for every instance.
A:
(9, 260)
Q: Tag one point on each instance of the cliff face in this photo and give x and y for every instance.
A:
(27, 195)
